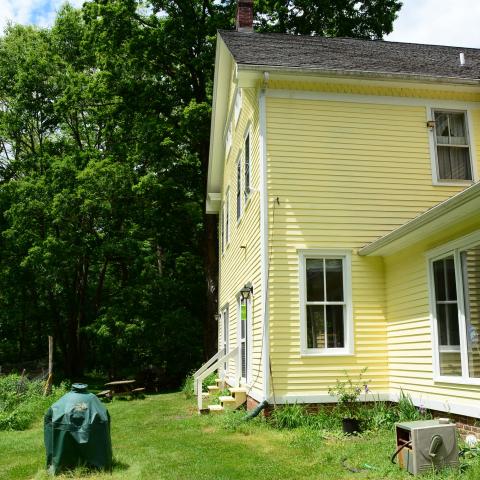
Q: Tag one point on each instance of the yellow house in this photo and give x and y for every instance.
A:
(343, 173)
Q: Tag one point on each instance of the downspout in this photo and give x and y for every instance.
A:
(264, 235)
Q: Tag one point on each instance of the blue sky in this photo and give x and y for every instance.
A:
(444, 22)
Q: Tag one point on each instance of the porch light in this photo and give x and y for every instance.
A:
(246, 291)
(217, 317)
(431, 124)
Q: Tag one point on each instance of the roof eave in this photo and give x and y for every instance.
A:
(315, 71)
(219, 111)
(455, 209)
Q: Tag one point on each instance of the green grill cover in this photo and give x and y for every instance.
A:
(77, 432)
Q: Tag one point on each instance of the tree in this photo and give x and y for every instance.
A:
(338, 18)
(104, 141)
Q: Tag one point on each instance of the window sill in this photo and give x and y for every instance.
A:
(327, 353)
(457, 380)
(452, 183)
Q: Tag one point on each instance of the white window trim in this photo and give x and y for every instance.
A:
(346, 256)
(222, 228)
(248, 133)
(228, 140)
(451, 248)
(226, 225)
(237, 107)
(249, 338)
(225, 312)
(239, 187)
(430, 109)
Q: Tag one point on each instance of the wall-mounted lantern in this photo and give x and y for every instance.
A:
(246, 291)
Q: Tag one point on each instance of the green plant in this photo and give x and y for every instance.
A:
(187, 387)
(407, 411)
(290, 416)
(22, 401)
(347, 393)
(378, 416)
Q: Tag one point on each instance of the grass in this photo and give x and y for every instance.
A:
(162, 437)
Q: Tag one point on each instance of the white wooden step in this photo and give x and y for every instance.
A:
(213, 388)
(240, 395)
(215, 408)
(226, 398)
(238, 390)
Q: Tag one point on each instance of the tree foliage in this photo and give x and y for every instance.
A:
(104, 138)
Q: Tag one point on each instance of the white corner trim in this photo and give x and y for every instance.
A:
(264, 267)
(256, 394)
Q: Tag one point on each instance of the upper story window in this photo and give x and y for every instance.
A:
(326, 304)
(456, 312)
(239, 188)
(238, 105)
(228, 141)
(452, 146)
(247, 167)
(222, 229)
(226, 216)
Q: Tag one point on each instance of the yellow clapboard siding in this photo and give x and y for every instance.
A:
(241, 265)
(344, 173)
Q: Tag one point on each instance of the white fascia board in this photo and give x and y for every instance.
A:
(450, 212)
(319, 72)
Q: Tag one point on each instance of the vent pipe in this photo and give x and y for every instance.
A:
(462, 58)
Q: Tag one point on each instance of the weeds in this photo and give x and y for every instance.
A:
(187, 387)
(22, 401)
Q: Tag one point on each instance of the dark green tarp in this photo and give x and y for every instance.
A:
(77, 432)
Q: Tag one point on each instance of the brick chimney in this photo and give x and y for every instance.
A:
(245, 15)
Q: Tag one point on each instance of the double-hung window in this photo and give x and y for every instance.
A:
(326, 312)
(238, 105)
(239, 188)
(247, 168)
(452, 146)
(455, 285)
(226, 216)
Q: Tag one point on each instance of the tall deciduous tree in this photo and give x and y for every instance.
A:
(104, 140)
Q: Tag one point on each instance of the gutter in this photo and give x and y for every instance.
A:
(429, 216)
(314, 71)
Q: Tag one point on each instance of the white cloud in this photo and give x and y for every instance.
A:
(440, 22)
(39, 12)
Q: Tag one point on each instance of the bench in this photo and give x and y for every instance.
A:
(137, 391)
(104, 393)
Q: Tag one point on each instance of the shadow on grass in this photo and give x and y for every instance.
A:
(86, 472)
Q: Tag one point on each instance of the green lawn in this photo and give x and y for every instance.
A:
(162, 437)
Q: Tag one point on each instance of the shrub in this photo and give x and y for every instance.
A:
(22, 401)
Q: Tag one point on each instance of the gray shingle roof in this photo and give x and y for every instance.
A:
(351, 55)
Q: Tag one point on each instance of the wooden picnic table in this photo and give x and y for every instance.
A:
(120, 387)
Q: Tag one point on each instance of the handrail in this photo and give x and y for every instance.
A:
(208, 371)
(204, 367)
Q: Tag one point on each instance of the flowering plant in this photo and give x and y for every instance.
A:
(348, 393)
